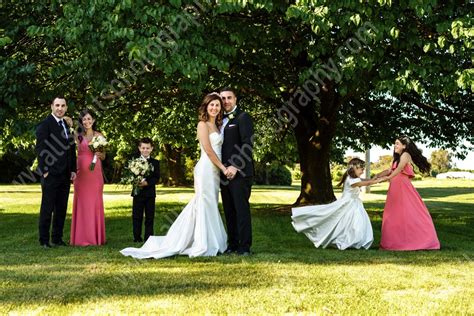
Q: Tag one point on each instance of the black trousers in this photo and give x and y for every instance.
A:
(235, 199)
(143, 204)
(54, 198)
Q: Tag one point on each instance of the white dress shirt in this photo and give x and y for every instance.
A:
(226, 119)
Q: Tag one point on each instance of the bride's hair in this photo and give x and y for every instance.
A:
(354, 162)
(204, 116)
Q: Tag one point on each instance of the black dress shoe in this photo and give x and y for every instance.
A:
(138, 240)
(45, 246)
(244, 253)
(229, 251)
(58, 243)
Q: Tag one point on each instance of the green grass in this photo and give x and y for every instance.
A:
(286, 274)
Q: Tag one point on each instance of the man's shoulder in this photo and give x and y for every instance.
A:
(243, 116)
(241, 113)
(48, 118)
(45, 121)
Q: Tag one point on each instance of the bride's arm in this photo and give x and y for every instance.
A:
(203, 136)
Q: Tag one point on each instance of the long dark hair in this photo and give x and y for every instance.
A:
(351, 165)
(204, 116)
(80, 127)
(416, 155)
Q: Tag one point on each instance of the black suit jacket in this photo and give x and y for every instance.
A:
(56, 153)
(152, 179)
(237, 149)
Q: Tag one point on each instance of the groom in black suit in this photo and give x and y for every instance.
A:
(236, 187)
(56, 151)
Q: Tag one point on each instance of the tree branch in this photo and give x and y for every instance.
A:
(428, 107)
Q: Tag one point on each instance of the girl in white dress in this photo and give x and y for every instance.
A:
(198, 230)
(343, 223)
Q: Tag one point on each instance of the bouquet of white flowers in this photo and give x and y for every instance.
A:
(135, 172)
(97, 144)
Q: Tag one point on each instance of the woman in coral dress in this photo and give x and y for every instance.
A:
(88, 225)
(406, 223)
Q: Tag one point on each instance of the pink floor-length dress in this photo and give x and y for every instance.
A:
(406, 223)
(88, 225)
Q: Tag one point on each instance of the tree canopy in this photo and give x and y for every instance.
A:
(317, 76)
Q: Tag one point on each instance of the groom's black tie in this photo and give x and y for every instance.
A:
(61, 123)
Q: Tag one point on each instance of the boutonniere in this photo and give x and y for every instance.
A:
(231, 116)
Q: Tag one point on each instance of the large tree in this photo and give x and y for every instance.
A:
(318, 76)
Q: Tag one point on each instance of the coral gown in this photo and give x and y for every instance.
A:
(406, 223)
(88, 225)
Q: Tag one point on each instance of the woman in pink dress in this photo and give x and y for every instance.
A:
(88, 225)
(406, 223)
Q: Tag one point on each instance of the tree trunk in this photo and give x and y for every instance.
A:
(314, 133)
(174, 165)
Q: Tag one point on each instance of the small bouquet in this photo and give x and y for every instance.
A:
(97, 144)
(135, 172)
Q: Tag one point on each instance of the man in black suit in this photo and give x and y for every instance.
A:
(145, 199)
(237, 155)
(56, 151)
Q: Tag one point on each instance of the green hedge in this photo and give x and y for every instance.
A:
(272, 174)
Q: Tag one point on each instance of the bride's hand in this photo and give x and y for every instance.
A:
(232, 171)
(229, 173)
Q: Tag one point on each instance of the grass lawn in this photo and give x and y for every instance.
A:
(285, 275)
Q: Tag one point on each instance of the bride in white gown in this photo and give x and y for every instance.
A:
(198, 230)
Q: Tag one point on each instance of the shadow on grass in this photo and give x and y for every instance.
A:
(274, 237)
(75, 283)
(444, 192)
(433, 192)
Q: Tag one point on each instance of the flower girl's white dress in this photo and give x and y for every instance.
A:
(343, 223)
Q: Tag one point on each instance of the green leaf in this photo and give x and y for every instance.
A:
(394, 32)
(355, 19)
(5, 41)
(175, 3)
(441, 41)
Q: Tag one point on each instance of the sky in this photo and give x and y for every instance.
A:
(376, 152)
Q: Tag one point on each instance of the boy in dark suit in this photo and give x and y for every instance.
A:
(144, 201)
